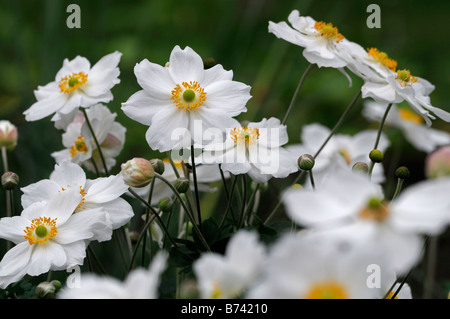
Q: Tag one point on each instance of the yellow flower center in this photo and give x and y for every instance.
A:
(83, 195)
(246, 135)
(376, 210)
(216, 292)
(71, 82)
(327, 290)
(328, 31)
(41, 230)
(405, 78)
(383, 58)
(79, 146)
(188, 96)
(346, 155)
(410, 116)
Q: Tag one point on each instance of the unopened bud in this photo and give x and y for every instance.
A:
(10, 180)
(8, 135)
(137, 172)
(306, 162)
(437, 163)
(165, 204)
(209, 63)
(158, 165)
(181, 185)
(45, 290)
(402, 172)
(376, 156)
(57, 284)
(360, 167)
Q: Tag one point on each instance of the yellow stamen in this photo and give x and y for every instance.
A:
(80, 205)
(328, 31)
(247, 135)
(405, 78)
(72, 82)
(383, 58)
(376, 210)
(188, 96)
(410, 116)
(41, 230)
(327, 290)
(346, 155)
(79, 146)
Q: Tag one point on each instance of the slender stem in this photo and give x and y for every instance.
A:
(141, 236)
(398, 188)
(380, 128)
(244, 200)
(95, 139)
(5, 160)
(147, 216)
(294, 97)
(249, 205)
(197, 196)
(175, 170)
(311, 178)
(431, 267)
(229, 203)
(102, 269)
(8, 193)
(95, 167)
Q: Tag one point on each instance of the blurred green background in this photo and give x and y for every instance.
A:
(34, 41)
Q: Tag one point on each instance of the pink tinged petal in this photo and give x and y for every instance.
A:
(43, 190)
(230, 96)
(142, 106)
(15, 260)
(45, 107)
(68, 174)
(185, 65)
(154, 79)
(12, 228)
(50, 256)
(106, 189)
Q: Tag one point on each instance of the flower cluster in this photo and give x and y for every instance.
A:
(346, 235)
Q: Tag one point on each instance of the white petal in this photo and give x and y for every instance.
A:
(215, 74)
(185, 65)
(230, 96)
(68, 174)
(141, 107)
(12, 228)
(154, 79)
(46, 257)
(41, 191)
(45, 107)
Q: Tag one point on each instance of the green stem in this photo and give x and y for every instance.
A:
(244, 200)
(249, 205)
(311, 178)
(197, 196)
(380, 128)
(398, 188)
(147, 216)
(229, 203)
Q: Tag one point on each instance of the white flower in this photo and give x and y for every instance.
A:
(183, 99)
(321, 266)
(139, 284)
(351, 204)
(255, 150)
(102, 193)
(228, 276)
(421, 136)
(80, 146)
(344, 149)
(76, 84)
(48, 236)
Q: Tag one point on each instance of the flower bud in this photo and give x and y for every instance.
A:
(137, 172)
(376, 156)
(57, 284)
(181, 185)
(165, 204)
(45, 290)
(8, 135)
(158, 165)
(10, 180)
(360, 167)
(437, 163)
(209, 63)
(402, 172)
(306, 162)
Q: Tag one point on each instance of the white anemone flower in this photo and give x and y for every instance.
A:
(48, 236)
(182, 99)
(255, 150)
(228, 276)
(102, 192)
(342, 148)
(351, 204)
(80, 145)
(412, 126)
(76, 84)
(139, 284)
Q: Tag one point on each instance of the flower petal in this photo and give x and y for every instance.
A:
(185, 65)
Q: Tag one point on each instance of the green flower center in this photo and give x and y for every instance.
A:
(189, 95)
(72, 82)
(41, 231)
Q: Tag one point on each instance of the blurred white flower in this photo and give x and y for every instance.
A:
(80, 146)
(76, 84)
(48, 236)
(179, 101)
(227, 276)
(413, 127)
(140, 284)
(437, 163)
(255, 150)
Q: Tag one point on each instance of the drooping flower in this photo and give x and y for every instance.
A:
(179, 101)
(48, 236)
(228, 276)
(103, 192)
(255, 150)
(80, 145)
(8, 135)
(140, 284)
(76, 84)
(412, 125)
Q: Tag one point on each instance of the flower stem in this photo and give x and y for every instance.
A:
(5, 160)
(294, 97)
(147, 216)
(229, 203)
(380, 128)
(311, 178)
(398, 188)
(197, 196)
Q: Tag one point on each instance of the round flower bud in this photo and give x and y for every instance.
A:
(376, 156)
(306, 162)
(437, 163)
(45, 290)
(181, 185)
(165, 204)
(360, 167)
(137, 172)
(57, 284)
(10, 180)
(209, 63)
(158, 165)
(8, 135)
(402, 172)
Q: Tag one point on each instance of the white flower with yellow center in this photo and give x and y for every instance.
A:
(350, 204)
(98, 193)
(182, 99)
(76, 84)
(227, 276)
(48, 236)
(80, 146)
(412, 125)
(255, 150)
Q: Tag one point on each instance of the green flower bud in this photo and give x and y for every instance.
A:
(57, 284)
(402, 172)
(360, 167)
(209, 63)
(181, 185)
(45, 290)
(306, 162)
(158, 165)
(165, 204)
(376, 156)
(10, 180)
